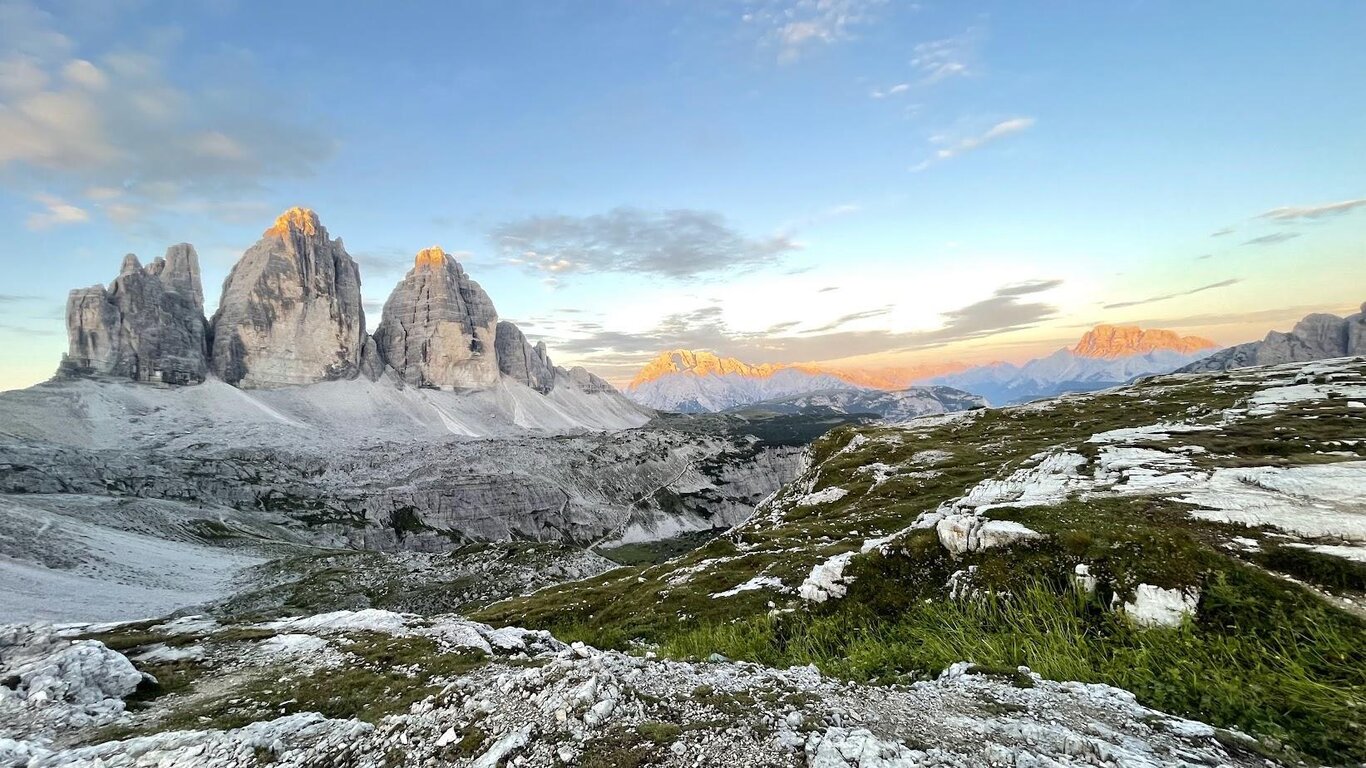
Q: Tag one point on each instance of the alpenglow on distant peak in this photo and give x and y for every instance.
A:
(1112, 341)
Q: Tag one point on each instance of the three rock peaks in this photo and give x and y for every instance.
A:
(291, 315)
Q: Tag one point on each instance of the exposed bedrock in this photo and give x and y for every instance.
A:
(147, 326)
(291, 309)
(648, 483)
(439, 327)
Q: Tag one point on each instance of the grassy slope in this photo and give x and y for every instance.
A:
(1264, 655)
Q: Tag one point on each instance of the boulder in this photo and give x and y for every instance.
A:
(148, 325)
(518, 359)
(291, 309)
(439, 328)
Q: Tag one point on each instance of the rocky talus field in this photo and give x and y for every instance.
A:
(1171, 572)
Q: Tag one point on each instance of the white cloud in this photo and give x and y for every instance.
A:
(796, 26)
(115, 121)
(895, 90)
(949, 57)
(56, 212)
(1320, 211)
(957, 147)
(678, 244)
(84, 74)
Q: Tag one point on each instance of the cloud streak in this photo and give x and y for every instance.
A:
(938, 60)
(677, 244)
(56, 212)
(998, 131)
(1007, 309)
(1165, 297)
(1312, 212)
(1272, 239)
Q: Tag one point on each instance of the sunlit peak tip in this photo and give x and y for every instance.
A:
(302, 220)
(433, 257)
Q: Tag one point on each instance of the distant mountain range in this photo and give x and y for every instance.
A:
(1106, 356)
(694, 381)
(687, 381)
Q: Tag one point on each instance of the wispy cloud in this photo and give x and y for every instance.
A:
(679, 244)
(844, 320)
(1221, 232)
(1272, 239)
(1309, 212)
(56, 212)
(1006, 309)
(120, 124)
(795, 27)
(958, 147)
(1164, 297)
(950, 57)
(895, 90)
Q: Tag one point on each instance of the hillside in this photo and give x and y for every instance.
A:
(1149, 576)
(1163, 537)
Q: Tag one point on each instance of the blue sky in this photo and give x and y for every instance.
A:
(887, 183)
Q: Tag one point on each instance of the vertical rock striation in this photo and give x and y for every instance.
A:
(439, 328)
(518, 359)
(148, 325)
(291, 309)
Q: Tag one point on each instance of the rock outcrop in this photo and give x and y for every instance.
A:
(520, 360)
(1114, 341)
(439, 328)
(1319, 336)
(291, 315)
(291, 309)
(583, 380)
(148, 325)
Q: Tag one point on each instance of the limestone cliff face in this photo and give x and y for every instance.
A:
(518, 359)
(1317, 337)
(291, 309)
(439, 328)
(148, 325)
(1113, 341)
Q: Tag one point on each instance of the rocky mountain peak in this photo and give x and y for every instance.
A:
(1113, 341)
(430, 258)
(148, 325)
(296, 221)
(439, 328)
(700, 363)
(291, 309)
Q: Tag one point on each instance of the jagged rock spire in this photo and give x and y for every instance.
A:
(439, 328)
(148, 325)
(291, 309)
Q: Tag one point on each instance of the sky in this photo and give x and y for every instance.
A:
(872, 182)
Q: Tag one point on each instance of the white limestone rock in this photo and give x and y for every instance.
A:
(519, 359)
(291, 309)
(1318, 336)
(1157, 607)
(148, 325)
(439, 328)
